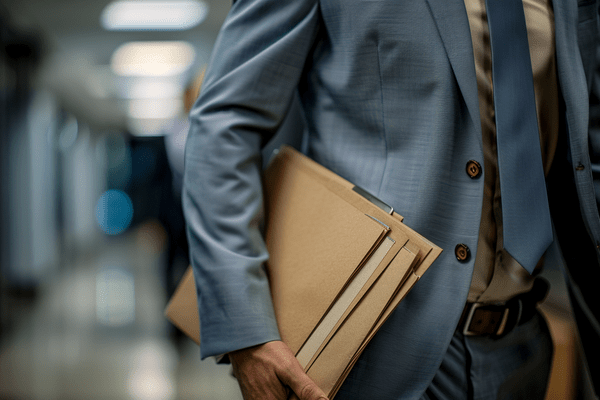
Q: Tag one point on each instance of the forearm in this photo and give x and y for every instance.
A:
(257, 62)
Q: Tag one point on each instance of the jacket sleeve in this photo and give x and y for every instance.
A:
(252, 77)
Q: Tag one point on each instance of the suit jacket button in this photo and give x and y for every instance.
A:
(473, 169)
(462, 252)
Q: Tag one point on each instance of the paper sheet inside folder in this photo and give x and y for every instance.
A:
(343, 302)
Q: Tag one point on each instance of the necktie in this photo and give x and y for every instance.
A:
(527, 229)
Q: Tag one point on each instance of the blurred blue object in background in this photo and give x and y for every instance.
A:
(114, 212)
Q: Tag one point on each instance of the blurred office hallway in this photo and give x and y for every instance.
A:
(96, 330)
(94, 98)
(91, 237)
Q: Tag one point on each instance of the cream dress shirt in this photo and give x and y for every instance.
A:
(497, 276)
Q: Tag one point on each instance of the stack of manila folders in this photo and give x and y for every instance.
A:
(340, 261)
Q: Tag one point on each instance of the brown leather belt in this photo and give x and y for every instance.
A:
(495, 320)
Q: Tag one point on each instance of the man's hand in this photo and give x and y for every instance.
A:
(269, 371)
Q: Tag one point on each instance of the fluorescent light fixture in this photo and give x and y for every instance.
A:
(153, 15)
(150, 88)
(153, 58)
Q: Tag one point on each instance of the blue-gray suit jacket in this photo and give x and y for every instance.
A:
(389, 95)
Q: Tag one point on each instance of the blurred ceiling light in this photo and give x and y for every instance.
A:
(152, 58)
(153, 15)
(154, 89)
(154, 108)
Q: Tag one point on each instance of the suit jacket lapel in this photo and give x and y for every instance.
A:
(453, 25)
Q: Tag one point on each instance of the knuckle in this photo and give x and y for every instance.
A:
(287, 365)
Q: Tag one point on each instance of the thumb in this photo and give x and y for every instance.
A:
(302, 386)
(309, 391)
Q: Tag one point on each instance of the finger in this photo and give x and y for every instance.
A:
(301, 384)
(258, 382)
(310, 391)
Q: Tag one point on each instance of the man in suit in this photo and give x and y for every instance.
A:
(396, 99)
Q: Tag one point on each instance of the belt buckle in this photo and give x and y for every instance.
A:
(467, 332)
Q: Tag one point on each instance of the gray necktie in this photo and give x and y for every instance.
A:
(527, 229)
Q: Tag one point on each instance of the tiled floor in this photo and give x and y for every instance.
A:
(97, 331)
